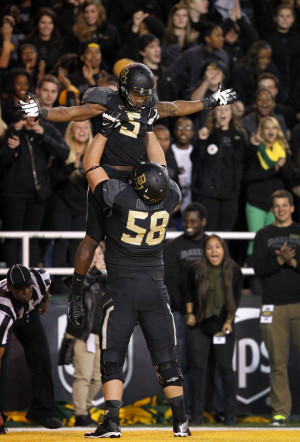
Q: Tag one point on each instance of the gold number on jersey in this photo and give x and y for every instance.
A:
(158, 223)
(132, 116)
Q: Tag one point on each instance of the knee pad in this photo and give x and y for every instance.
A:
(169, 373)
(111, 370)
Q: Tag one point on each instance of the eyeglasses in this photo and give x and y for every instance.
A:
(184, 128)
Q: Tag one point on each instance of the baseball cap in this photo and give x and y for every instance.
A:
(19, 276)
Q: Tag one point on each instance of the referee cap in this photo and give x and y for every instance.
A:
(19, 276)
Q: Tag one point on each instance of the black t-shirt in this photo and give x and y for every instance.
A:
(126, 146)
(280, 284)
(135, 232)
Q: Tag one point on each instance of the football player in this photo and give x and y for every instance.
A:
(137, 218)
(132, 142)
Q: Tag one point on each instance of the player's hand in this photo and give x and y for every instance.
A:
(76, 311)
(152, 118)
(109, 121)
(219, 98)
(32, 109)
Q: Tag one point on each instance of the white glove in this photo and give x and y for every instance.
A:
(108, 122)
(219, 98)
(152, 118)
(32, 109)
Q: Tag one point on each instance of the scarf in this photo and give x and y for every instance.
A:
(268, 156)
(216, 295)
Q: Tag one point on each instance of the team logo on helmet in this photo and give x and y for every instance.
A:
(123, 75)
(140, 181)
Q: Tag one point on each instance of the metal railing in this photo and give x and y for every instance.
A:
(26, 236)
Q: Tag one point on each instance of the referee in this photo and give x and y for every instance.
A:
(23, 298)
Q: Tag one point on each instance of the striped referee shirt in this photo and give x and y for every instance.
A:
(11, 309)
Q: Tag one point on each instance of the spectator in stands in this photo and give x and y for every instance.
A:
(214, 286)
(141, 23)
(29, 61)
(25, 182)
(239, 34)
(258, 59)
(178, 33)
(276, 259)
(91, 26)
(24, 296)
(197, 9)
(85, 342)
(210, 76)
(283, 38)
(179, 253)
(150, 52)
(68, 205)
(218, 163)
(264, 103)
(269, 168)
(182, 148)
(6, 30)
(90, 73)
(46, 38)
(47, 89)
(271, 83)
(187, 68)
(18, 87)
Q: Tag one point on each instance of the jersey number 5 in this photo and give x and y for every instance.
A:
(132, 116)
(154, 235)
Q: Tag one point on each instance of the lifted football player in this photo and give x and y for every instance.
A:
(132, 142)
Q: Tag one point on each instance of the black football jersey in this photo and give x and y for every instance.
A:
(135, 232)
(126, 146)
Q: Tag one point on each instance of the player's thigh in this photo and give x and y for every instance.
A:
(156, 318)
(119, 316)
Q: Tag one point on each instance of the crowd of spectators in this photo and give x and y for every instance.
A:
(58, 49)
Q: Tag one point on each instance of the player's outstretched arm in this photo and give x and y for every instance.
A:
(181, 108)
(94, 172)
(60, 114)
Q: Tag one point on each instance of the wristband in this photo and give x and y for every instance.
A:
(206, 103)
(43, 114)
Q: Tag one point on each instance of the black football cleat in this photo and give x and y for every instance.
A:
(106, 428)
(181, 429)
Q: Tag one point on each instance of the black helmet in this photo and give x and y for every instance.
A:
(139, 79)
(151, 182)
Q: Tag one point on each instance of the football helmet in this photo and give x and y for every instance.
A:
(137, 79)
(151, 182)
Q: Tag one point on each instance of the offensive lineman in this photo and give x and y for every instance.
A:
(137, 219)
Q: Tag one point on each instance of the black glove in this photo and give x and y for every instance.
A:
(219, 98)
(152, 118)
(76, 310)
(32, 109)
(108, 122)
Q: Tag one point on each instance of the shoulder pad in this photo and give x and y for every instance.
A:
(98, 95)
(175, 188)
(111, 189)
